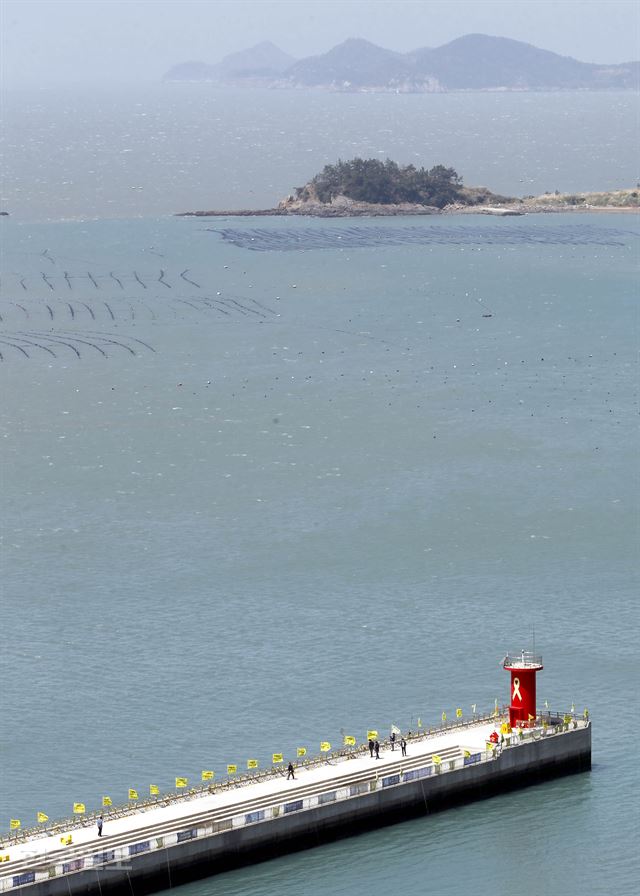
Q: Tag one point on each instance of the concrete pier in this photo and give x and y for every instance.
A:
(175, 840)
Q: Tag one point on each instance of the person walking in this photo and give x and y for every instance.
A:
(100, 823)
(403, 746)
(371, 746)
(376, 748)
(392, 738)
(290, 773)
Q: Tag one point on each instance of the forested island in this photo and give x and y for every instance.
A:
(387, 183)
(371, 187)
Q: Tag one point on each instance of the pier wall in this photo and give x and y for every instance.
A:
(384, 799)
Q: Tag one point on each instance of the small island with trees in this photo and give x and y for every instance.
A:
(386, 183)
(371, 187)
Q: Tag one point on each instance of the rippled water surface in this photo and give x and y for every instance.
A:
(265, 482)
(154, 150)
(253, 499)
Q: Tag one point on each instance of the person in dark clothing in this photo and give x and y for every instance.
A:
(290, 773)
(403, 746)
(100, 823)
(376, 748)
(371, 746)
(393, 741)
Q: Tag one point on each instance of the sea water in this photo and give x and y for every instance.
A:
(266, 483)
(151, 150)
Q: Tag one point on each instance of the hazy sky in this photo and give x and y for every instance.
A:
(51, 41)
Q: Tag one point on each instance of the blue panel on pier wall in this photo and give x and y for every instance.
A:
(293, 807)
(391, 780)
(101, 857)
(187, 835)
(471, 760)
(357, 789)
(417, 773)
(73, 865)
(252, 817)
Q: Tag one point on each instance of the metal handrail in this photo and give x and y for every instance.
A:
(49, 864)
(557, 723)
(67, 825)
(524, 658)
(448, 763)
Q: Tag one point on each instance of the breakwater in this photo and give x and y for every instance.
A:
(174, 840)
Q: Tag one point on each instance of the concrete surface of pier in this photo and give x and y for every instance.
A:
(179, 838)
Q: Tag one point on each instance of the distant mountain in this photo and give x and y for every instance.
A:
(264, 57)
(354, 63)
(481, 62)
(263, 61)
(473, 62)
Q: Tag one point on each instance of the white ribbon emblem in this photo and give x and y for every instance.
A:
(516, 690)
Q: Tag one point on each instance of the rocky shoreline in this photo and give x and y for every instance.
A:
(342, 207)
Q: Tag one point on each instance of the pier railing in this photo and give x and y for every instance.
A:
(524, 658)
(117, 852)
(548, 720)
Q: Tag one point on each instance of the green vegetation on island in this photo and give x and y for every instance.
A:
(386, 183)
(370, 187)
(371, 182)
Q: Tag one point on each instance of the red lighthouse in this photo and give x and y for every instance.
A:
(523, 670)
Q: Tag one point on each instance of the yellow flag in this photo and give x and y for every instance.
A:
(419, 723)
(276, 758)
(349, 741)
(252, 763)
(467, 754)
(133, 794)
(79, 808)
(67, 840)
(106, 801)
(301, 751)
(182, 782)
(207, 775)
(232, 769)
(325, 746)
(5, 857)
(154, 790)
(372, 735)
(436, 759)
(42, 817)
(14, 824)
(531, 718)
(458, 713)
(444, 717)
